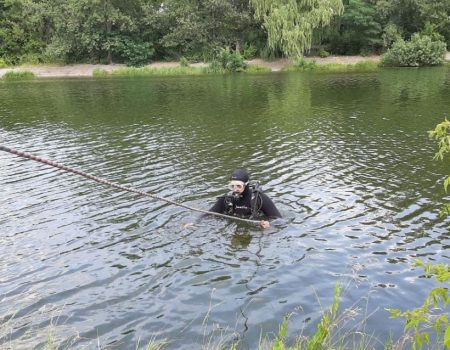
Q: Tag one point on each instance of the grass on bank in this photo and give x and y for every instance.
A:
(15, 75)
(145, 71)
(359, 67)
(166, 71)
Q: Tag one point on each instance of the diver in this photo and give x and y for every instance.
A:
(246, 199)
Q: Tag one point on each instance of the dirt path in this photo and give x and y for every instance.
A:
(85, 70)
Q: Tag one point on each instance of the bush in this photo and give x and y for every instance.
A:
(391, 34)
(302, 64)
(215, 67)
(324, 53)
(3, 63)
(421, 50)
(30, 58)
(184, 62)
(136, 54)
(249, 51)
(231, 61)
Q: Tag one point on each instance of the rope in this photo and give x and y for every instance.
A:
(115, 185)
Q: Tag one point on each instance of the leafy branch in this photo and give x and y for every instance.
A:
(426, 317)
(441, 134)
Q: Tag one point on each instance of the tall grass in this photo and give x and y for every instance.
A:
(14, 75)
(253, 68)
(329, 332)
(360, 67)
(150, 71)
(167, 71)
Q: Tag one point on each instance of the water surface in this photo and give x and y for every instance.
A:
(345, 157)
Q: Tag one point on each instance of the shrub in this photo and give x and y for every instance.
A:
(303, 64)
(3, 63)
(215, 67)
(184, 62)
(30, 58)
(231, 61)
(324, 53)
(136, 54)
(249, 51)
(421, 50)
(391, 34)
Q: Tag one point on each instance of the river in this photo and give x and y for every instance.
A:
(345, 157)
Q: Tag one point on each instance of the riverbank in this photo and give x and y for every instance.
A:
(86, 70)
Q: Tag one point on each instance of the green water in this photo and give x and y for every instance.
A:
(345, 157)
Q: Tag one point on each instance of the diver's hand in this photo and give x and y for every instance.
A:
(264, 224)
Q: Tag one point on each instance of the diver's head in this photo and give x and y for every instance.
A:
(238, 181)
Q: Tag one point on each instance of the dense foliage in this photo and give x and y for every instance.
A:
(421, 50)
(138, 31)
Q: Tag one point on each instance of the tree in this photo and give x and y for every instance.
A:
(290, 23)
(198, 28)
(94, 29)
(359, 30)
(20, 30)
(412, 16)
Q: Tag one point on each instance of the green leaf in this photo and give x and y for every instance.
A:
(447, 337)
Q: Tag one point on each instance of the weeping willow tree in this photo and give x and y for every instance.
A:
(290, 23)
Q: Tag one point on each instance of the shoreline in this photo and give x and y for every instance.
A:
(86, 70)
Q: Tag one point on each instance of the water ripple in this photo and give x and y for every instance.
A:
(345, 158)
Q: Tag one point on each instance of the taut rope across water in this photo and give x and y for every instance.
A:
(115, 185)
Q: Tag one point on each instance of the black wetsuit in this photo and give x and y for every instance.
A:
(242, 205)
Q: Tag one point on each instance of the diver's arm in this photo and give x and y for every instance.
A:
(218, 207)
(268, 207)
